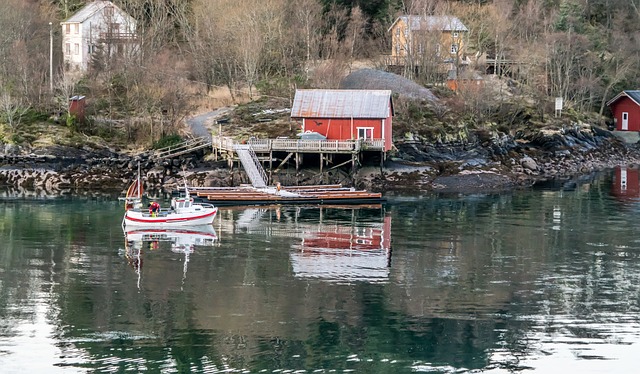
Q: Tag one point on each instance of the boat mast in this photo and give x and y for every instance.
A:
(186, 190)
(139, 192)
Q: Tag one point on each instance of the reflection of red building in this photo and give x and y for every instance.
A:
(344, 237)
(345, 252)
(626, 183)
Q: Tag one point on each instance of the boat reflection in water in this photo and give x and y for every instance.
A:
(181, 240)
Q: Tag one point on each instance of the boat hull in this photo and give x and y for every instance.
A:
(136, 218)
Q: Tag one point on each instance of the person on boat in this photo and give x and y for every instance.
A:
(154, 209)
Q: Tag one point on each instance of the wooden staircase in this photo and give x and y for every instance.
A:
(185, 147)
(251, 165)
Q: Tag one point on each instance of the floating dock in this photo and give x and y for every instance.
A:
(319, 194)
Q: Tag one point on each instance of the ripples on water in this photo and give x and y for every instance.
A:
(536, 281)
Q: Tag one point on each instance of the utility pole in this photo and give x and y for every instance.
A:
(51, 56)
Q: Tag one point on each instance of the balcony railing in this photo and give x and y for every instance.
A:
(308, 146)
(115, 36)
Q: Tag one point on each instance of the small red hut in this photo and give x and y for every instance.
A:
(626, 110)
(76, 107)
(346, 114)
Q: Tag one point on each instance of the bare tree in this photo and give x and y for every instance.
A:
(22, 47)
(308, 19)
(68, 7)
(616, 68)
(13, 110)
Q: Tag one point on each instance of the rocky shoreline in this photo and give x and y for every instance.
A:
(484, 162)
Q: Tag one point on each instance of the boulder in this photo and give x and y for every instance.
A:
(529, 163)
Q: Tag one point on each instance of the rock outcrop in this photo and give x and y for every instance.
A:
(482, 162)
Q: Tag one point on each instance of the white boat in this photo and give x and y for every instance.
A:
(183, 212)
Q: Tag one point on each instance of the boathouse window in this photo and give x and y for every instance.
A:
(454, 48)
(365, 133)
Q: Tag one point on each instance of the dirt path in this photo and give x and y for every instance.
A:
(202, 124)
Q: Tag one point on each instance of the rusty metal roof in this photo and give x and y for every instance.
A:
(341, 104)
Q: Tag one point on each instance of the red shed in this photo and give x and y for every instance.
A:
(626, 110)
(76, 107)
(346, 114)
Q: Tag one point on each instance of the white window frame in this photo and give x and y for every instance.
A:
(363, 131)
(454, 48)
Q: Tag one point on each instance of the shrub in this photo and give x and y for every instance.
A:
(168, 141)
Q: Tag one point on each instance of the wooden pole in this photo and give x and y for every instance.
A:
(270, 166)
(353, 163)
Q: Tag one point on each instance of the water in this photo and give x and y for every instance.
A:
(545, 280)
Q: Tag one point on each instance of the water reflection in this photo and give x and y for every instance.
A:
(344, 252)
(334, 243)
(625, 185)
(545, 280)
(180, 240)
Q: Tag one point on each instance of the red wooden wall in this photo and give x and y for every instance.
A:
(624, 104)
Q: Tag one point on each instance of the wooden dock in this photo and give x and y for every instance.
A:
(319, 194)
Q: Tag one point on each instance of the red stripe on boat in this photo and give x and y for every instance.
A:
(170, 220)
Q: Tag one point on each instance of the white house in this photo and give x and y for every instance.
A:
(98, 26)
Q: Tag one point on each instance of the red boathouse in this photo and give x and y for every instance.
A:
(626, 110)
(346, 114)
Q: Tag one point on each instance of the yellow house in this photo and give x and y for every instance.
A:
(439, 36)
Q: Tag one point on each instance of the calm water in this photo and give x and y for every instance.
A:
(545, 280)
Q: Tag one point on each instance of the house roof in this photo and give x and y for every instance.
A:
(92, 8)
(443, 23)
(634, 95)
(341, 104)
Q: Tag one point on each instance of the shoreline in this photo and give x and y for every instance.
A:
(470, 167)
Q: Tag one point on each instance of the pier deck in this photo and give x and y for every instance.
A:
(319, 194)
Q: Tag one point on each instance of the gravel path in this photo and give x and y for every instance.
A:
(202, 124)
